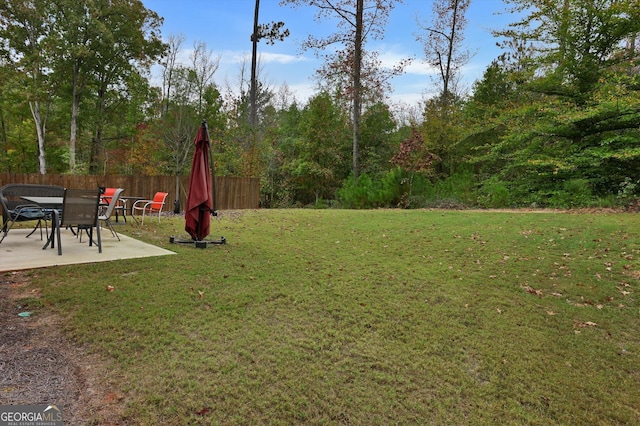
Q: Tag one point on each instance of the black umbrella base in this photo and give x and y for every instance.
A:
(199, 243)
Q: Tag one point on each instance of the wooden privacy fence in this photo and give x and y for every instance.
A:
(231, 192)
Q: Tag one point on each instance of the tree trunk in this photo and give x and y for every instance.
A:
(357, 66)
(452, 38)
(40, 131)
(254, 53)
(96, 145)
(75, 101)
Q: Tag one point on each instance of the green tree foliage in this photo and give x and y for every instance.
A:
(70, 56)
(317, 166)
(25, 31)
(128, 44)
(570, 111)
(378, 141)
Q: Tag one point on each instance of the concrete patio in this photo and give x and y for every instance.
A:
(18, 253)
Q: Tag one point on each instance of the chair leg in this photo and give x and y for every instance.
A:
(56, 224)
(6, 231)
(113, 231)
(98, 234)
(35, 228)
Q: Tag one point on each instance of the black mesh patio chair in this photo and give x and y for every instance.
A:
(15, 209)
(80, 210)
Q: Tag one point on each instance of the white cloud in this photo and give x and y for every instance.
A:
(263, 57)
(281, 58)
(390, 58)
(302, 92)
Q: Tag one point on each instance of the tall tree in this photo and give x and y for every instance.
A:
(204, 65)
(442, 39)
(129, 41)
(271, 32)
(170, 66)
(316, 165)
(25, 26)
(74, 30)
(356, 20)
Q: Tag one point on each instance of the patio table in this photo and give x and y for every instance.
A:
(55, 205)
(46, 202)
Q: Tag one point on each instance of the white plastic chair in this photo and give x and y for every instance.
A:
(150, 206)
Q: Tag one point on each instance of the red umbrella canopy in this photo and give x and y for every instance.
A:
(199, 200)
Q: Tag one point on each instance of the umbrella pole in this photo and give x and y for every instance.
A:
(213, 172)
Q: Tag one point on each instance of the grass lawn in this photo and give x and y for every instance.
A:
(370, 318)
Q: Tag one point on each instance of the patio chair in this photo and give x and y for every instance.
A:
(15, 209)
(105, 216)
(150, 206)
(121, 205)
(80, 209)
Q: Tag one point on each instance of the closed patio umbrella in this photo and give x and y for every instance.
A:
(200, 197)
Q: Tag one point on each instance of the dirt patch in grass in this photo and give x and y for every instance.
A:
(40, 365)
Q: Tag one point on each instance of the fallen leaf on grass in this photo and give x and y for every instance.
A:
(499, 310)
(201, 294)
(110, 288)
(112, 397)
(550, 313)
(203, 411)
(585, 324)
(533, 291)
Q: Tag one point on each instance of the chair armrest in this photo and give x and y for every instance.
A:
(145, 202)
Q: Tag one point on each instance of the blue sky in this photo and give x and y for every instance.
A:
(225, 26)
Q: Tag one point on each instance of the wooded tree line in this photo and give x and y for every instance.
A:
(554, 121)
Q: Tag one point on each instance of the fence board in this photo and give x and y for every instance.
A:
(232, 193)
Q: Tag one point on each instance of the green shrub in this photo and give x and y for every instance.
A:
(574, 193)
(358, 193)
(494, 193)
